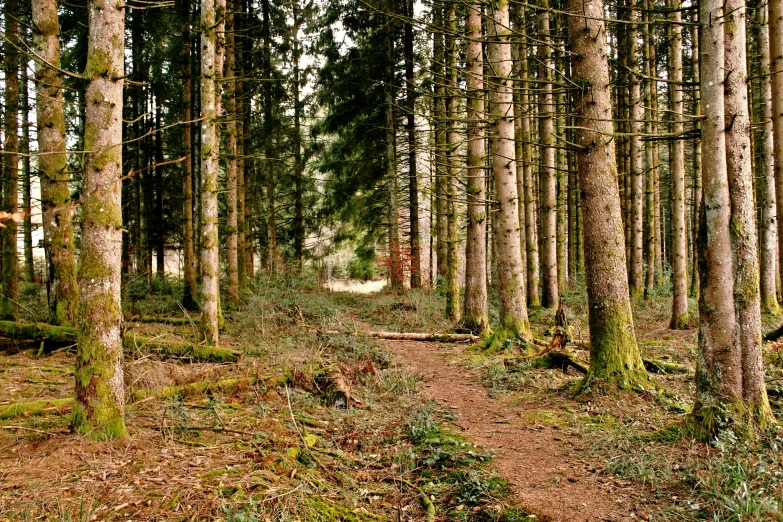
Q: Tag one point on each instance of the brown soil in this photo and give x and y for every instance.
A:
(547, 475)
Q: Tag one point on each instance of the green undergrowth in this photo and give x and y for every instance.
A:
(418, 310)
(257, 439)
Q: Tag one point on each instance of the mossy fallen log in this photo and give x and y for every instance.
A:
(202, 387)
(173, 321)
(57, 336)
(40, 407)
(415, 336)
(660, 366)
(61, 335)
(179, 349)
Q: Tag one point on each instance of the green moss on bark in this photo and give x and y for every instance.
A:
(614, 355)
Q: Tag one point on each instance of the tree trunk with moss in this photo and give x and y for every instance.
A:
(775, 8)
(511, 277)
(189, 296)
(52, 164)
(9, 309)
(210, 294)
(100, 394)
(475, 317)
(413, 181)
(637, 165)
(452, 146)
(531, 235)
(744, 240)
(679, 315)
(439, 127)
(548, 170)
(232, 257)
(726, 374)
(614, 354)
(768, 243)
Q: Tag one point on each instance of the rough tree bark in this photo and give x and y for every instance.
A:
(476, 316)
(9, 309)
(413, 181)
(232, 257)
(744, 240)
(100, 393)
(679, 247)
(52, 163)
(637, 166)
(548, 170)
(189, 296)
(614, 354)
(511, 280)
(210, 295)
(452, 159)
(776, 86)
(726, 377)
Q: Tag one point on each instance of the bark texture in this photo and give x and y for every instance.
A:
(511, 279)
(9, 309)
(614, 354)
(210, 304)
(475, 316)
(100, 394)
(55, 193)
(679, 247)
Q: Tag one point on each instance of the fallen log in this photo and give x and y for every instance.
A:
(202, 387)
(337, 392)
(38, 332)
(660, 366)
(174, 321)
(774, 335)
(167, 347)
(180, 349)
(415, 336)
(40, 407)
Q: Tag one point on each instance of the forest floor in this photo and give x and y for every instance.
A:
(428, 431)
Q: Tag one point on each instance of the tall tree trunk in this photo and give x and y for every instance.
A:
(679, 247)
(232, 257)
(239, 56)
(9, 309)
(511, 279)
(396, 270)
(776, 87)
(269, 150)
(766, 169)
(727, 377)
(476, 316)
(637, 166)
(189, 301)
(210, 296)
(100, 393)
(614, 354)
(299, 225)
(439, 124)
(697, 191)
(452, 145)
(650, 150)
(744, 239)
(52, 164)
(413, 182)
(27, 228)
(548, 171)
(531, 236)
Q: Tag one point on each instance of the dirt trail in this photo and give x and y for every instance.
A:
(546, 476)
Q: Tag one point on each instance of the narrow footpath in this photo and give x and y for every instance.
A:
(546, 475)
